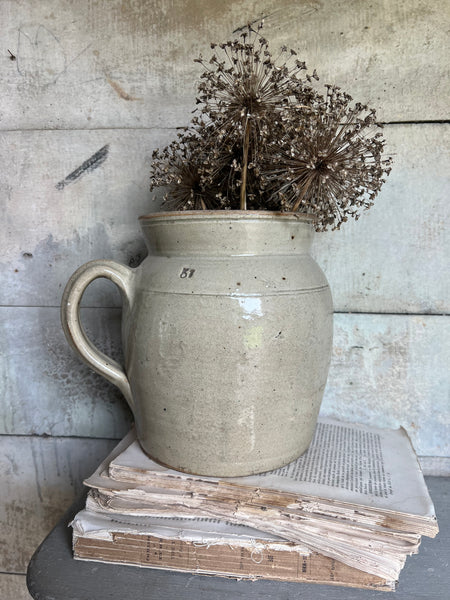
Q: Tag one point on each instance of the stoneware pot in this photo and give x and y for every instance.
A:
(227, 332)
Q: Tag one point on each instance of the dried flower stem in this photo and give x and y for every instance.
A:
(243, 204)
(303, 193)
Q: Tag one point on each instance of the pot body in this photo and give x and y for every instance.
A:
(227, 332)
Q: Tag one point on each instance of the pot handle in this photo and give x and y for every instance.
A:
(70, 317)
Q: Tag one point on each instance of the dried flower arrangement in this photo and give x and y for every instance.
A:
(266, 139)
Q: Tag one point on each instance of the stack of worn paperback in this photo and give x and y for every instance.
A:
(348, 512)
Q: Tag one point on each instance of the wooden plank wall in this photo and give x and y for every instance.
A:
(111, 80)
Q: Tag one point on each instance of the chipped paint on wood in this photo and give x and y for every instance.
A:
(390, 55)
(40, 479)
(46, 390)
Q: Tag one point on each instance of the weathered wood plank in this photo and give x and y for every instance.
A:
(394, 259)
(114, 64)
(50, 229)
(13, 587)
(438, 466)
(386, 370)
(392, 371)
(40, 478)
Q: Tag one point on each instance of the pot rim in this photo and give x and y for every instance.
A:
(268, 215)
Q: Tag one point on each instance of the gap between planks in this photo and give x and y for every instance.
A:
(336, 312)
(47, 436)
(159, 127)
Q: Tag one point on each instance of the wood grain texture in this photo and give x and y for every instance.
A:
(13, 587)
(387, 370)
(394, 259)
(114, 64)
(40, 478)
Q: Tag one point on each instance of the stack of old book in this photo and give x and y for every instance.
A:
(347, 512)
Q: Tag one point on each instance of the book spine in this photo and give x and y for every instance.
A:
(226, 560)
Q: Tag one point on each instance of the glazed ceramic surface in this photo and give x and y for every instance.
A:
(227, 332)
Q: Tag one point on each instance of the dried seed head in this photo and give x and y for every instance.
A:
(178, 168)
(329, 162)
(265, 135)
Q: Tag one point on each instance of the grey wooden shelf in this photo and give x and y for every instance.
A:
(54, 575)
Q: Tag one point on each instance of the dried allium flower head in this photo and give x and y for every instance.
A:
(329, 161)
(267, 140)
(178, 168)
(242, 93)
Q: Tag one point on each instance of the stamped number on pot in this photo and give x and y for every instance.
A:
(187, 272)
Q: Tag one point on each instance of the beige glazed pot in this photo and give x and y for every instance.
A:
(227, 332)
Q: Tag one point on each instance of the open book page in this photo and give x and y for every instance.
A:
(345, 462)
